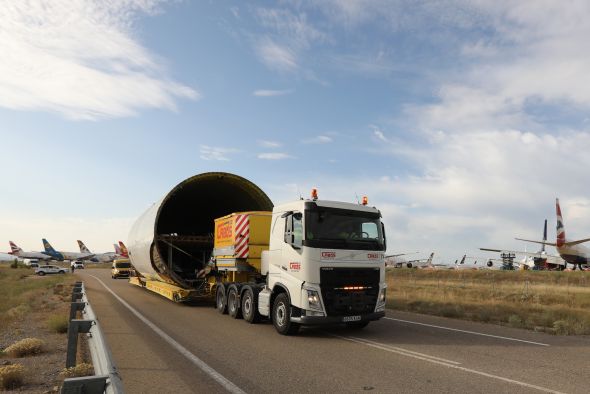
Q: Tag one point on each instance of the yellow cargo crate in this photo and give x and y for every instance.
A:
(240, 239)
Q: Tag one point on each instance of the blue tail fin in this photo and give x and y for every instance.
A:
(544, 235)
(50, 251)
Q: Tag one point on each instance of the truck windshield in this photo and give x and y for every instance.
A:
(123, 265)
(343, 229)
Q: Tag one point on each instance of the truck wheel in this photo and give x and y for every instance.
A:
(41, 273)
(233, 303)
(249, 307)
(281, 316)
(220, 300)
(357, 325)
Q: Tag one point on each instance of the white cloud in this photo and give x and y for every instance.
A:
(271, 93)
(378, 133)
(320, 139)
(215, 153)
(81, 59)
(274, 156)
(288, 35)
(270, 144)
(276, 56)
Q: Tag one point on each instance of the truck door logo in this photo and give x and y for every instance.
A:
(294, 266)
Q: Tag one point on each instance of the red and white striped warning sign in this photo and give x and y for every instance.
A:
(242, 232)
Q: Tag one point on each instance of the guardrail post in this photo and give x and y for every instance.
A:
(75, 307)
(76, 326)
(76, 296)
(85, 384)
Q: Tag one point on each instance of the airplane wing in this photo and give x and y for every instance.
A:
(524, 253)
(399, 254)
(538, 242)
(580, 241)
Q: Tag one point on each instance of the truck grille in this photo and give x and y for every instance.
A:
(349, 291)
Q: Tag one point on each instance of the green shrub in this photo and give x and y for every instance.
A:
(58, 323)
(515, 321)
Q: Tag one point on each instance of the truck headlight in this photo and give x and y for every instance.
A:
(313, 299)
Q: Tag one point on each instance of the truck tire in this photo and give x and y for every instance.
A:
(250, 307)
(281, 316)
(221, 300)
(233, 303)
(41, 273)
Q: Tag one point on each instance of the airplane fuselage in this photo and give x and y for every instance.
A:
(574, 254)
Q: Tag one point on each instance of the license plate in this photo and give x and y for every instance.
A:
(351, 318)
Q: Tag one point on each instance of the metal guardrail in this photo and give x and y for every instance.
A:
(106, 378)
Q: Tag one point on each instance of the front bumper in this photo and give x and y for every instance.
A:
(319, 320)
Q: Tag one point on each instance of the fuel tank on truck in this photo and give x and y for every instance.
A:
(173, 240)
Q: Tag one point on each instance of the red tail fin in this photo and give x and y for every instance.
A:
(560, 229)
(124, 251)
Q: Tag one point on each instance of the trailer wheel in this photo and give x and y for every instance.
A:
(220, 300)
(281, 316)
(250, 307)
(233, 303)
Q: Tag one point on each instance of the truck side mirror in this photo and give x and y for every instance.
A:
(384, 238)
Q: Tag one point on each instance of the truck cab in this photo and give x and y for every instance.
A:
(325, 265)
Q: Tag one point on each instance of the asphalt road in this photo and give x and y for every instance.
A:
(168, 347)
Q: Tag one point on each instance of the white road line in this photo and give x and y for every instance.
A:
(468, 332)
(219, 378)
(431, 359)
(395, 349)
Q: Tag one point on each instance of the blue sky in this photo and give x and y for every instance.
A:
(461, 121)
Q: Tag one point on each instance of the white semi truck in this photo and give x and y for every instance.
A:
(309, 262)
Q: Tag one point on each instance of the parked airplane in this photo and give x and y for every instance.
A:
(124, 251)
(540, 260)
(106, 257)
(570, 251)
(421, 263)
(70, 256)
(7, 257)
(18, 252)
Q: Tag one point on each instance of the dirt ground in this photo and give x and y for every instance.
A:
(42, 370)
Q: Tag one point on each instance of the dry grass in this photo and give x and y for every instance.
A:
(58, 323)
(12, 376)
(25, 347)
(21, 291)
(79, 370)
(555, 302)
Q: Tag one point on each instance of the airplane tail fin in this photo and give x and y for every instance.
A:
(429, 261)
(117, 249)
(48, 247)
(15, 249)
(83, 248)
(560, 229)
(463, 259)
(544, 235)
(124, 251)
